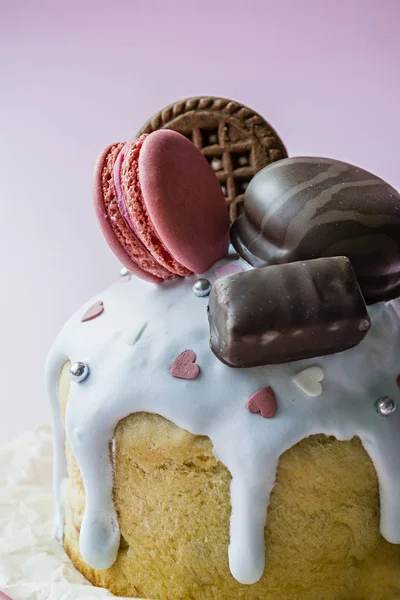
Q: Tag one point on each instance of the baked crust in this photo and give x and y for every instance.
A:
(172, 499)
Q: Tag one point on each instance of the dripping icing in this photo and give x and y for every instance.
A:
(213, 405)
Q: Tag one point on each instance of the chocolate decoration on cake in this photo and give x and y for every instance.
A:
(304, 208)
(236, 141)
(287, 312)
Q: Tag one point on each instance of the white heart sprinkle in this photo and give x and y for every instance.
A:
(309, 381)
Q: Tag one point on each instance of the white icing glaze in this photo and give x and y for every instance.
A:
(130, 348)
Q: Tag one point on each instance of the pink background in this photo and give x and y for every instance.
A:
(76, 76)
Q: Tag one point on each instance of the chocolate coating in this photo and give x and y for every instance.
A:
(287, 312)
(304, 208)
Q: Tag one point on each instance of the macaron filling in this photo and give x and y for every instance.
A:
(118, 188)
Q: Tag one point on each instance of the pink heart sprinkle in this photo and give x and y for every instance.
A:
(184, 366)
(263, 401)
(228, 270)
(93, 312)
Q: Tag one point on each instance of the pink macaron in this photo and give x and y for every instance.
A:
(160, 206)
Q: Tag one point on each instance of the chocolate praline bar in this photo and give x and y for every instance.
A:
(303, 208)
(287, 312)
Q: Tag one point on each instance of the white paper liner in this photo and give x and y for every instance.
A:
(33, 565)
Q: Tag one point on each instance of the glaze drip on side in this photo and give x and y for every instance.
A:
(172, 319)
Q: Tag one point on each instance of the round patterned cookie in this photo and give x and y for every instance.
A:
(236, 141)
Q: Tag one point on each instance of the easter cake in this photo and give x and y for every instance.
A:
(225, 414)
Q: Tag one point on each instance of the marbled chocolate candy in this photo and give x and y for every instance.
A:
(287, 312)
(303, 208)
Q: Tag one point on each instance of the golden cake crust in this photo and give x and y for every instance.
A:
(172, 499)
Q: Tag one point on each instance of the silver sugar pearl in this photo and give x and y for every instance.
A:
(212, 138)
(124, 272)
(78, 371)
(385, 406)
(216, 164)
(202, 287)
(243, 161)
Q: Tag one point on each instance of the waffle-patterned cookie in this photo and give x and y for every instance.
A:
(236, 141)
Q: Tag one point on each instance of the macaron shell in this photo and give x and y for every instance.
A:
(122, 241)
(133, 208)
(184, 200)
